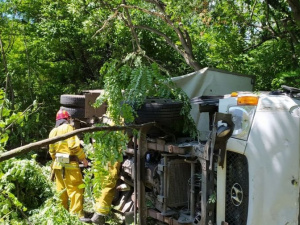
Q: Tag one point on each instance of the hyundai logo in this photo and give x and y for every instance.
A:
(237, 194)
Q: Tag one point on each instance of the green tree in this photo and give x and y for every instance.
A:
(252, 37)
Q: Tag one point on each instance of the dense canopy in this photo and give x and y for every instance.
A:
(54, 47)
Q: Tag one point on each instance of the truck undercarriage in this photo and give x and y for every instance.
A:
(174, 181)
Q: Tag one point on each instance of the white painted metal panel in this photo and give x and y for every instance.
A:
(273, 158)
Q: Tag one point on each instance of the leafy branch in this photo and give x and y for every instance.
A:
(14, 201)
(25, 112)
(186, 51)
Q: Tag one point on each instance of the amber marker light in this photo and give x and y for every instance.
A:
(234, 94)
(247, 100)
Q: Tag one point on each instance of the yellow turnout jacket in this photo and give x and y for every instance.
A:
(69, 146)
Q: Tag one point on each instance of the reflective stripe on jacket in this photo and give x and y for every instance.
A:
(71, 165)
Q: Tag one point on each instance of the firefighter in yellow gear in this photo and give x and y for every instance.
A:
(104, 201)
(66, 155)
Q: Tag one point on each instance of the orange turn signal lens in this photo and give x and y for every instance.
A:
(247, 100)
(234, 94)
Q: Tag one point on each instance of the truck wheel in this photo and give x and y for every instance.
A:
(159, 110)
(165, 112)
(155, 104)
(73, 101)
(75, 112)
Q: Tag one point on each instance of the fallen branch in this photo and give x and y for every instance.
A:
(27, 148)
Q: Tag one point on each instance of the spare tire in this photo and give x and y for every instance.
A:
(73, 101)
(75, 112)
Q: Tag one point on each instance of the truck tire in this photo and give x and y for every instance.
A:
(75, 112)
(162, 111)
(155, 104)
(73, 101)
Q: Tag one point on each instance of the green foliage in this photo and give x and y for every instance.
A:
(46, 44)
(49, 44)
(290, 78)
(107, 148)
(250, 37)
(52, 212)
(212, 198)
(28, 196)
(268, 62)
(11, 120)
(25, 178)
(24, 186)
(9, 203)
(129, 83)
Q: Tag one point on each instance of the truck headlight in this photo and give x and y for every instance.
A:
(242, 117)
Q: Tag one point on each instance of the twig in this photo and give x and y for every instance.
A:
(5, 69)
(12, 123)
(167, 39)
(252, 11)
(160, 15)
(106, 23)
(160, 66)
(133, 33)
(20, 210)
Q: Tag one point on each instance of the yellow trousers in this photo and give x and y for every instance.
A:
(103, 203)
(70, 182)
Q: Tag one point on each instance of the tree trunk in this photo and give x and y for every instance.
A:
(186, 48)
(295, 6)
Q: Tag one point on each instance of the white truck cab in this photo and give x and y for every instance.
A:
(259, 183)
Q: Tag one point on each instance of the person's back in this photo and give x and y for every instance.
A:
(66, 155)
(69, 146)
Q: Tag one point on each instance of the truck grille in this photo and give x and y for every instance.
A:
(237, 189)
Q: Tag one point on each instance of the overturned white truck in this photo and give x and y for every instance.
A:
(243, 169)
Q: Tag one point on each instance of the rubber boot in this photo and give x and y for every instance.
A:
(98, 219)
(85, 220)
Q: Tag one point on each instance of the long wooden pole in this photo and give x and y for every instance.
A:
(27, 148)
